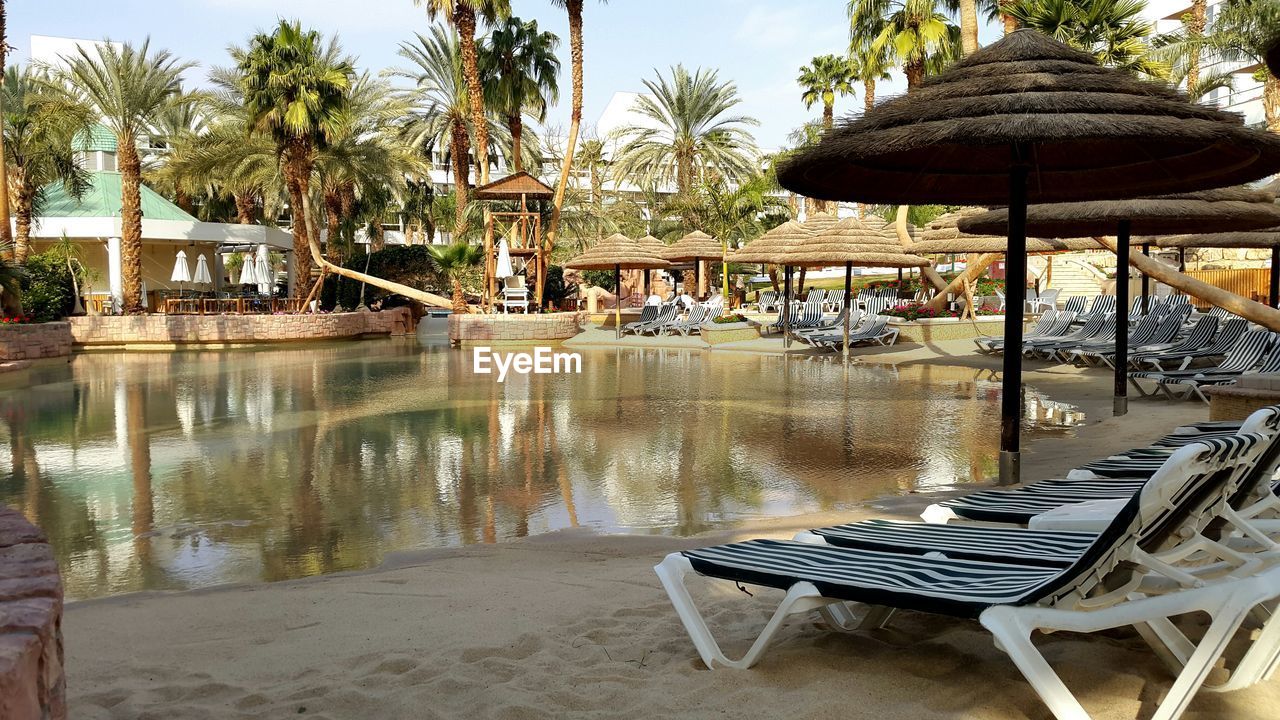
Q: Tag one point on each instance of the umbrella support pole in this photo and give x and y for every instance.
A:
(1273, 295)
(848, 287)
(617, 302)
(786, 307)
(1016, 293)
(1146, 282)
(1120, 402)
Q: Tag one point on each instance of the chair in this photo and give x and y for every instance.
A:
(1045, 300)
(1049, 345)
(1101, 588)
(1246, 353)
(834, 301)
(1102, 305)
(1075, 304)
(648, 314)
(1269, 366)
(515, 294)
(698, 314)
(666, 316)
(818, 295)
(1222, 342)
(767, 300)
(1053, 323)
(1198, 338)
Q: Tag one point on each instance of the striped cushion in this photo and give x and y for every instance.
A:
(970, 542)
(961, 588)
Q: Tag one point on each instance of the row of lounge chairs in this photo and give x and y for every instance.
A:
(1186, 525)
(865, 328)
(665, 319)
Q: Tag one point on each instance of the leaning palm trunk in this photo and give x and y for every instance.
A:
(574, 8)
(1257, 312)
(968, 277)
(395, 287)
(904, 239)
(131, 224)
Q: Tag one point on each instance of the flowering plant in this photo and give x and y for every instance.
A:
(916, 311)
(728, 319)
(17, 319)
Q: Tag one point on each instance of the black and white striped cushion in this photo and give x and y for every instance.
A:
(970, 542)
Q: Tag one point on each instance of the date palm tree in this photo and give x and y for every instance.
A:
(176, 124)
(39, 138)
(454, 262)
(127, 87)
(520, 70)
(691, 135)
(916, 32)
(1113, 30)
(295, 92)
(825, 77)
(1243, 31)
(870, 65)
(463, 15)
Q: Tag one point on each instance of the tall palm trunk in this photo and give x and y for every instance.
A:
(333, 222)
(968, 26)
(461, 177)
(465, 18)
(297, 172)
(246, 208)
(869, 94)
(6, 233)
(459, 298)
(516, 125)
(1010, 22)
(574, 10)
(22, 212)
(183, 201)
(1195, 31)
(828, 115)
(914, 71)
(597, 200)
(130, 222)
(377, 237)
(1271, 102)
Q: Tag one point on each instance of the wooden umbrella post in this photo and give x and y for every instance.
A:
(490, 268)
(1015, 299)
(1146, 282)
(617, 303)
(1120, 403)
(848, 290)
(786, 306)
(1273, 296)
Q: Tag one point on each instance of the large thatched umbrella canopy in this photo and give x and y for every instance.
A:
(771, 247)
(655, 246)
(617, 252)
(944, 236)
(1029, 118)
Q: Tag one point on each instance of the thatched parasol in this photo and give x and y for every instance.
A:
(655, 246)
(1263, 238)
(771, 248)
(944, 236)
(848, 242)
(1029, 117)
(1219, 210)
(695, 247)
(617, 252)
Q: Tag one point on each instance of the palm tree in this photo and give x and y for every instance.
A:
(591, 156)
(917, 33)
(176, 124)
(11, 276)
(295, 92)
(691, 136)
(822, 79)
(39, 137)
(127, 87)
(1113, 30)
(443, 113)
(462, 15)
(967, 11)
(573, 8)
(6, 236)
(454, 262)
(1243, 31)
(520, 70)
(870, 65)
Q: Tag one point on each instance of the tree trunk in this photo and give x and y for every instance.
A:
(773, 278)
(297, 171)
(130, 223)
(1256, 312)
(6, 233)
(970, 274)
(1010, 22)
(23, 209)
(574, 10)
(333, 221)
(246, 208)
(1195, 30)
(1271, 102)
(461, 178)
(968, 26)
(516, 125)
(465, 19)
(828, 115)
(914, 72)
(459, 298)
(800, 281)
(868, 94)
(684, 174)
(904, 239)
(183, 201)
(313, 246)
(377, 236)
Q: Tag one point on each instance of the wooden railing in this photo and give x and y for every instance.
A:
(1251, 283)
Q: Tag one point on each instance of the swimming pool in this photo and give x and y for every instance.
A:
(188, 469)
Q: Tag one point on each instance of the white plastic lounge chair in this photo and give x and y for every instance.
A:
(1094, 592)
(1198, 338)
(1246, 353)
(1228, 334)
(1045, 300)
(666, 316)
(648, 314)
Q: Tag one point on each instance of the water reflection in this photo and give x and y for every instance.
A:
(179, 470)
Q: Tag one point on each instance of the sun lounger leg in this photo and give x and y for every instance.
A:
(801, 598)
(1014, 638)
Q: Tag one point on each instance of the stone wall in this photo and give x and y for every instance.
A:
(35, 341)
(32, 683)
(926, 331)
(234, 329)
(512, 329)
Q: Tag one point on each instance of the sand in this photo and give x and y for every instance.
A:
(574, 624)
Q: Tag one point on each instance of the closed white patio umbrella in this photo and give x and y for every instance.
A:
(202, 271)
(266, 278)
(181, 271)
(504, 261)
(248, 273)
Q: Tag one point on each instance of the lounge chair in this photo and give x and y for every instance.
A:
(1152, 330)
(666, 316)
(835, 325)
(834, 301)
(648, 314)
(874, 330)
(1046, 347)
(1195, 384)
(1059, 324)
(1246, 353)
(1075, 304)
(1223, 340)
(810, 315)
(1045, 300)
(768, 300)
(1100, 589)
(1198, 338)
(692, 322)
(1102, 305)
(818, 295)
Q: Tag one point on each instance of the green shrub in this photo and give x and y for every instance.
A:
(47, 291)
(599, 278)
(554, 291)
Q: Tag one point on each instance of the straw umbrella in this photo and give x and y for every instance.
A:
(849, 242)
(695, 246)
(617, 252)
(771, 248)
(1029, 118)
(815, 223)
(1223, 209)
(656, 247)
(1264, 238)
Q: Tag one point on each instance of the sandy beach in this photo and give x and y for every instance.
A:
(574, 624)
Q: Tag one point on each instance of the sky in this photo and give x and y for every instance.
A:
(758, 44)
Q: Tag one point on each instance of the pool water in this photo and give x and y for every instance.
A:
(189, 469)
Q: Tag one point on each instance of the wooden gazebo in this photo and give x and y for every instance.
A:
(521, 228)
